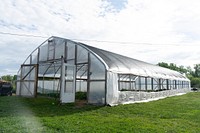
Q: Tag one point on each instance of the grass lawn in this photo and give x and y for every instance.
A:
(171, 115)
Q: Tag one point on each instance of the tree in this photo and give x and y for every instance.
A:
(8, 78)
(174, 67)
(182, 69)
(194, 76)
(163, 64)
(189, 70)
(14, 77)
(197, 70)
(195, 81)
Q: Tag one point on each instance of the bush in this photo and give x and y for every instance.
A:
(195, 82)
(81, 95)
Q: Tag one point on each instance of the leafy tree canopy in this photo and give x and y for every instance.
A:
(192, 74)
(173, 66)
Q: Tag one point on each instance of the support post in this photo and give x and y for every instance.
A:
(88, 77)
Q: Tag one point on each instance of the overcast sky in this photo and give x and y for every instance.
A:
(149, 30)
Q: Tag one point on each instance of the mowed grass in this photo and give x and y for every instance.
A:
(170, 115)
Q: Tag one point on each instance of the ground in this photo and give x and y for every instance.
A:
(172, 115)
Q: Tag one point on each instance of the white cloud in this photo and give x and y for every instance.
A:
(139, 21)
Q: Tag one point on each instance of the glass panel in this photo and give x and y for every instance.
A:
(69, 79)
(149, 86)
(51, 49)
(97, 69)
(124, 86)
(27, 89)
(170, 84)
(70, 52)
(82, 71)
(69, 87)
(142, 81)
(126, 82)
(69, 73)
(132, 85)
(34, 57)
(164, 84)
(50, 70)
(174, 84)
(97, 92)
(183, 84)
(60, 49)
(41, 70)
(28, 72)
(48, 86)
(137, 83)
(82, 55)
(179, 84)
(43, 52)
(81, 86)
(155, 84)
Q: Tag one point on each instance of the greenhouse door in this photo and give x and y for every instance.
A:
(27, 84)
(68, 84)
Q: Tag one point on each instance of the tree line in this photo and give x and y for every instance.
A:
(192, 73)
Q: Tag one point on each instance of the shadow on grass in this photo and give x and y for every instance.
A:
(41, 107)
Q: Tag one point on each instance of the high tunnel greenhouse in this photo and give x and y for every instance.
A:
(64, 67)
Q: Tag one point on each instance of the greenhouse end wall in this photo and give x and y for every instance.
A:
(49, 57)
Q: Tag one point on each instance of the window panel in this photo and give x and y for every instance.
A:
(97, 92)
(97, 69)
(143, 85)
(149, 85)
(82, 55)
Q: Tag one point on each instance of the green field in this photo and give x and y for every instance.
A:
(170, 115)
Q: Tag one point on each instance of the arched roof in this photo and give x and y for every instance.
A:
(122, 64)
(125, 65)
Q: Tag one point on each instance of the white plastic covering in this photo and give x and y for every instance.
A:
(122, 64)
(112, 92)
(118, 64)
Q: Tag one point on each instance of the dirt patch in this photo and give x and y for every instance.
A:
(80, 103)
